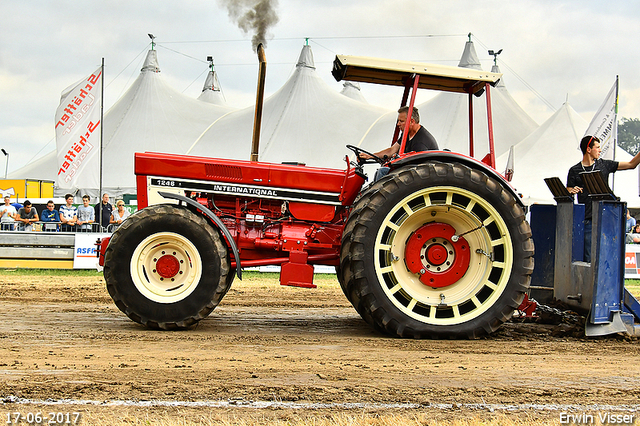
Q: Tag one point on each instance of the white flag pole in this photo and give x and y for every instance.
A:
(615, 134)
(99, 220)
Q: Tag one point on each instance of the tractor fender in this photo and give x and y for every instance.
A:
(216, 220)
(445, 156)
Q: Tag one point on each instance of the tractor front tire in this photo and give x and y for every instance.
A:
(436, 250)
(167, 267)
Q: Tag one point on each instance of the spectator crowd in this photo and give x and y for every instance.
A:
(68, 218)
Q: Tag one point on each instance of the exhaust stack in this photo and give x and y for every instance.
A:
(257, 120)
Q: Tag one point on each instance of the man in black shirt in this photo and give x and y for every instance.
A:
(103, 211)
(418, 139)
(591, 161)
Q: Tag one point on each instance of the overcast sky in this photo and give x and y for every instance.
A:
(553, 51)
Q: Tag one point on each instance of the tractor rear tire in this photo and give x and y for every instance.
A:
(167, 267)
(436, 250)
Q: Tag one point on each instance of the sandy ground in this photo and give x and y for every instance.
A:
(286, 349)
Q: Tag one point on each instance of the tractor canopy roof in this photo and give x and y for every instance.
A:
(397, 73)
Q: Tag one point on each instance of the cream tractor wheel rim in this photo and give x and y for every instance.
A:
(166, 267)
(449, 220)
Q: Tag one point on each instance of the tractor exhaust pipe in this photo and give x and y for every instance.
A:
(257, 120)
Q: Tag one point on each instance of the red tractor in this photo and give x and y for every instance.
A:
(437, 248)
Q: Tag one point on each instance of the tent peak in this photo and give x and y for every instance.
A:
(211, 83)
(469, 57)
(151, 62)
(306, 58)
(496, 69)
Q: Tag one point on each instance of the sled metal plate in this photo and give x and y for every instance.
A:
(616, 325)
(608, 231)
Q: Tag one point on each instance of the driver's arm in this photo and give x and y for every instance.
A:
(389, 152)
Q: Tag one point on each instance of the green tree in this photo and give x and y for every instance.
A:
(629, 134)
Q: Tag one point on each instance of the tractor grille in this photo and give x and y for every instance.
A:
(223, 171)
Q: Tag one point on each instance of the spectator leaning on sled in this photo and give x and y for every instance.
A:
(591, 161)
(26, 216)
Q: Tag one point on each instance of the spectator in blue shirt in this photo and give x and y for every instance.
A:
(50, 214)
(631, 222)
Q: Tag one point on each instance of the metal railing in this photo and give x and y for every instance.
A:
(57, 227)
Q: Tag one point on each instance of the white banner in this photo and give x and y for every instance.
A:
(632, 261)
(604, 124)
(78, 134)
(84, 252)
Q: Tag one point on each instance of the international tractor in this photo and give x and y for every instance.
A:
(437, 248)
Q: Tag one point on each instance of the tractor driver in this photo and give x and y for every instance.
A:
(419, 139)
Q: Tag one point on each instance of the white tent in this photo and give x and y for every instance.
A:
(351, 89)
(43, 168)
(212, 92)
(547, 152)
(304, 121)
(446, 116)
(551, 150)
(150, 116)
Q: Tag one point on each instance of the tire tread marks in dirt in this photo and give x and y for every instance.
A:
(358, 278)
(214, 283)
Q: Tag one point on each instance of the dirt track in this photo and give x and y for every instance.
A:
(62, 339)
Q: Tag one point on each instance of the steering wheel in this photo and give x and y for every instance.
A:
(357, 150)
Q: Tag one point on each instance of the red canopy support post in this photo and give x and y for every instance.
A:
(405, 96)
(492, 152)
(471, 142)
(405, 132)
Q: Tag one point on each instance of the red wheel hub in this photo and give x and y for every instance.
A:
(167, 266)
(431, 253)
